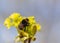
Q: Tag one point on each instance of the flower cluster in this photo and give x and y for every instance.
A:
(15, 19)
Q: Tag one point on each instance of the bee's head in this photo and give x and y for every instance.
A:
(25, 22)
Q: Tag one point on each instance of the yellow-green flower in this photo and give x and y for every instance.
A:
(31, 19)
(15, 16)
(38, 27)
(7, 23)
(15, 19)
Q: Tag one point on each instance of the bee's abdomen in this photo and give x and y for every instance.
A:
(20, 26)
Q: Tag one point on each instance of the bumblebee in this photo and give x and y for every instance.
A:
(26, 27)
(23, 24)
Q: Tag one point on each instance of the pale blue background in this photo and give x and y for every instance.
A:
(47, 13)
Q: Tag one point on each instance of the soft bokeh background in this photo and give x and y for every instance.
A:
(47, 13)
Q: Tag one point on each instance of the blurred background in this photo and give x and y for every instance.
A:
(46, 12)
